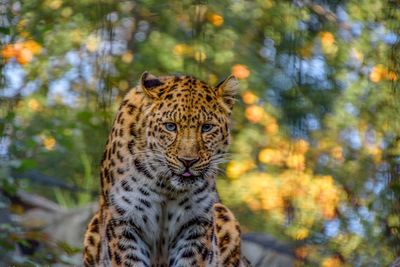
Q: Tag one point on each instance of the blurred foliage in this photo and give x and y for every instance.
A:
(316, 132)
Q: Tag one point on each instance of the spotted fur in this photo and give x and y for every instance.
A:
(158, 204)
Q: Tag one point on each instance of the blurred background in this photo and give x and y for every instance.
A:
(315, 154)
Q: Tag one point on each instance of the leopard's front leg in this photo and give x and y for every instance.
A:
(192, 245)
(91, 252)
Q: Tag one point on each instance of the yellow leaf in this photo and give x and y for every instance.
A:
(54, 4)
(254, 113)
(376, 73)
(337, 153)
(327, 38)
(272, 128)
(92, 43)
(8, 52)
(24, 56)
(301, 146)
(249, 98)
(34, 105)
(200, 55)
(271, 156)
(331, 262)
(127, 57)
(33, 46)
(123, 85)
(237, 168)
(240, 71)
(49, 143)
(215, 19)
(296, 161)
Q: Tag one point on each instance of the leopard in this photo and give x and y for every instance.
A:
(158, 203)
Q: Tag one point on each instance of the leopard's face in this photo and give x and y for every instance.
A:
(188, 128)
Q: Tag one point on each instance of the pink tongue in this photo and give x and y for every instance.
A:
(186, 174)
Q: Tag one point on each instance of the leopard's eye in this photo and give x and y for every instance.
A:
(170, 126)
(206, 128)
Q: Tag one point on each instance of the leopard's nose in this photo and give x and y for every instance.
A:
(188, 162)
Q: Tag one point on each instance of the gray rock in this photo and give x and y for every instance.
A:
(264, 251)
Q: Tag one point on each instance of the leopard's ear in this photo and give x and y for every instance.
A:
(151, 84)
(227, 89)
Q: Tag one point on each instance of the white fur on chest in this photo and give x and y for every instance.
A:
(165, 216)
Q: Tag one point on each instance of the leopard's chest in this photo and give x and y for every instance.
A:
(160, 218)
(177, 218)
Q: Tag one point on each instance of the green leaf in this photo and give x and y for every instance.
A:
(5, 30)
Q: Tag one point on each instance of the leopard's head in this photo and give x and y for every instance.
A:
(187, 126)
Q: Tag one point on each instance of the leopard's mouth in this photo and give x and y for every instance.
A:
(187, 175)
